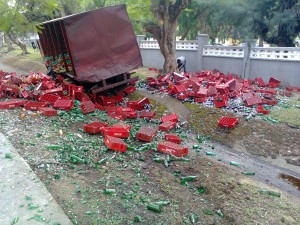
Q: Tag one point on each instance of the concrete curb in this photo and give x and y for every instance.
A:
(23, 197)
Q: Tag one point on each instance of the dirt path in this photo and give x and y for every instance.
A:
(8, 68)
(266, 172)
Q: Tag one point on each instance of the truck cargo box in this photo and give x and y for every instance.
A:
(91, 47)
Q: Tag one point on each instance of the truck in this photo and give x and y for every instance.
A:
(96, 48)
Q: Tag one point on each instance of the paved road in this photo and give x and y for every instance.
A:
(24, 199)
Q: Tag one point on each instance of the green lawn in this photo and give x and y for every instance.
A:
(33, 56)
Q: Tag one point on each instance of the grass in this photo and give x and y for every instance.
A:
(33, 56)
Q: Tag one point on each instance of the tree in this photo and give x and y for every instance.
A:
(19, 17)
(164, 28)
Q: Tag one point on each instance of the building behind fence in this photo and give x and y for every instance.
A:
(247, 61)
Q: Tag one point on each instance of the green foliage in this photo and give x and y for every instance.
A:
(23, 16)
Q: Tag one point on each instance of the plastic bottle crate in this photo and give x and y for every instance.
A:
(35, 105)
(51, 99)
(260, 109)
(9, 91)
(272, 101)
(141, 103)
(166, 126)
(64, 104)
(273, 82)
(202, 92)
(8, 105)
(116, 132)
(94, 127)
(146, 134)
(26, 94)
(260, 82)
(122, 125)
(133, 104)
(200, 100)
(19, 102)
(108, 101)
(116, 144)
(129, 90)
(147, 115)
(256, 100)
(173, 138)
(58, 91)
(220, 101)
(173, 149)
(172, 117)
(229, 122)
(117, 115)
(131, 115)
(47, 111)
(87, 107)
(294, 89)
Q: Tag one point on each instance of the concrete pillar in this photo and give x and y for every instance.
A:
(202, 41)
(251, 43)
(140, 38)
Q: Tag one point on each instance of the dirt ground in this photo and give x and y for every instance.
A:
(94, 185)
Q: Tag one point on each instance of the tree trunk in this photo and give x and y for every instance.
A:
(16, 41)
(167, 45)
(260, 42)
(10, 47)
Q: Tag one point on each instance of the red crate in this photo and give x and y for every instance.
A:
(182, 96)
(118, 132)
(141, 103)
(260, 109)
(122, 125)
(172, 117)
(27, 94)
(200, 100)
(260, 82)
(117, 115)
(64, 104)
(212, 91)
(9, 91)
(273, 82)
(202, 92)
(108, 101)
(179, 89)
(75, 92)
(173, 138)
(116, 144)
(271, 101)
(131, 115)
(229, 122)
(166, 126)
(294, 89)
(132, 104)
(35, 105)
(8, 105)
(233, 94)
(222, 88)
(87, 107)
(58, 91)
(94, 127)
(146, 134)
(256, 100)
(220, 101)
(129, 90)
(173, 149)
(51, 99)
(47, 111)
(147, 115)
(18, 102)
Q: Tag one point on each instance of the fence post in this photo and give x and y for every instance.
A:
(202, 41)
(140, 38)
(247, 62)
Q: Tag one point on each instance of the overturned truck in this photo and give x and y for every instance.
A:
(96, 47)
